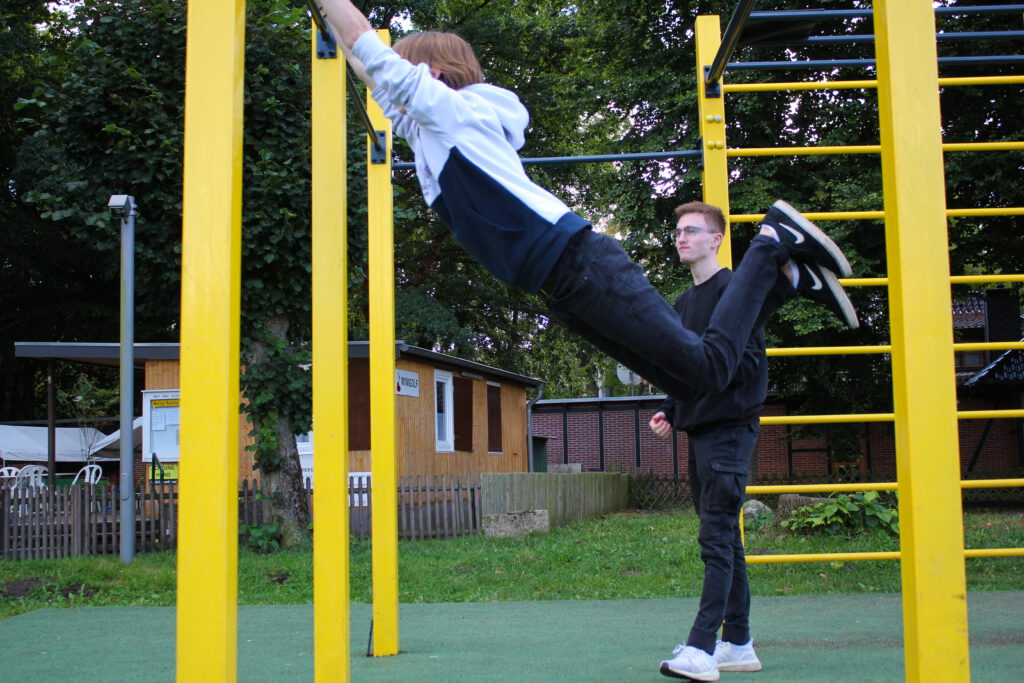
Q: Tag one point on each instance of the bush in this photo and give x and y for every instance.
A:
(263, 538)
(846, 513)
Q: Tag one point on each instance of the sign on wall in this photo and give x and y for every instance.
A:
(407, 383)
(161, 425)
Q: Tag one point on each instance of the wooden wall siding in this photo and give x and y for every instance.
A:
(162, 374)
(416, 446)
(416, 439)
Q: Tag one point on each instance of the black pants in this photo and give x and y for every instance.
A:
(719, 459)
(597, 291)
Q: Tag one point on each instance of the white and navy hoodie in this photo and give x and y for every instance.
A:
(465, 143)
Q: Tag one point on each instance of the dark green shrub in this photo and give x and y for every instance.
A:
(846, 513)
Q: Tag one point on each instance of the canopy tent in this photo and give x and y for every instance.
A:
(73, 444)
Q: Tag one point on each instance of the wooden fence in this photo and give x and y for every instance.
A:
(81, 520)
(566, 497)
(86, 520)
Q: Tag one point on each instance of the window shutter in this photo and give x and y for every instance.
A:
(463, 400)
(494, 419)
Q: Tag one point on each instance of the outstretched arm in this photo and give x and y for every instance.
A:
(348, 24)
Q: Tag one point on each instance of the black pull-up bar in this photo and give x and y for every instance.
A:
(729, 41)
(327, 48)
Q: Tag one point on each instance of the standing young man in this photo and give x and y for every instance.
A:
(722, 428)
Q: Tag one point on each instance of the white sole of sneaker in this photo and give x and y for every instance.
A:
(747, 666)
(820, 237)
(839, 294)
(666, 670)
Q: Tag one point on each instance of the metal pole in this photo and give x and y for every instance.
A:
(127, 213)
(729, 41)
(51, 425)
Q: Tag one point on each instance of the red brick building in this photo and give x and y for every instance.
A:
(611, 433)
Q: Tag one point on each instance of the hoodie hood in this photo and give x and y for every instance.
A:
(510, 111)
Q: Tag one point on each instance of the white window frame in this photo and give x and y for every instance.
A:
(445, 445)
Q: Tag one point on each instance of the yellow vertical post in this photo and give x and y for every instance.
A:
(330, 370)
(381, 245)
(711, 109)
(207, 614)
(924, 387)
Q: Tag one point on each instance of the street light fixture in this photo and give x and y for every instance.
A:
(123, 206)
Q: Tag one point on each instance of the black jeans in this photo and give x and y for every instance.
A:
(597, 291)
(719, 458)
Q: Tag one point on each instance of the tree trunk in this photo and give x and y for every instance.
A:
(289, 505)
(282, 485)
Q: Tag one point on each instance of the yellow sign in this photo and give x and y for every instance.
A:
(166, 403)
(169, 472)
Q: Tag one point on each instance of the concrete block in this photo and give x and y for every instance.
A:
(516, 523)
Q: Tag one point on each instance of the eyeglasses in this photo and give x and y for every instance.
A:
(690, 230)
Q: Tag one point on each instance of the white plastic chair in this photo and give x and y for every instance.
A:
(90, 474)
(8, 475)
(31, 477)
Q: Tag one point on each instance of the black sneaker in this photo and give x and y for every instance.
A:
(804, 240)
(820, 284)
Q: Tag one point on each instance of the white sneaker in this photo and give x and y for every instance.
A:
(732, 657)
(692, 663)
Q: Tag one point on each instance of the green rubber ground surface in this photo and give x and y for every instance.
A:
(800, 638)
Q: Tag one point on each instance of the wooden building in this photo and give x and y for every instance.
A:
(454, 416)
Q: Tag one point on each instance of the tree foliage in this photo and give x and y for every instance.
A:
(93, 104)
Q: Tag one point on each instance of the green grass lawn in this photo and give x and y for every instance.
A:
(621, 556)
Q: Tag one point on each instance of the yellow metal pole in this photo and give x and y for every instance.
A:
(711, 110)
(924, 387)
(382, 391)
(207, 614)
(330, 371)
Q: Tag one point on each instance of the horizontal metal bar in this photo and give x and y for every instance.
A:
(859, 63)
(981, 80)
(856, 38)
(826, 419)
(784, 351)
(980, 146)
(993, 552)
(593, 158)
(984, 279)
(813, 216)
(873, 486)
(864, 282)
(848, 13)
(866, 84)
(827, 350)
(988, 414)
(988, 346)
(991, 483)
(823, 557)
(971, 553)
(873, 215)
(734, 152)
(1007, 211)
(824, 488)
(798, 85)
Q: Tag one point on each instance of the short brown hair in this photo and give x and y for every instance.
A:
(445, 51)
(713, 214)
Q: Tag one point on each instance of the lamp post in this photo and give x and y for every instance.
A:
(123, 206)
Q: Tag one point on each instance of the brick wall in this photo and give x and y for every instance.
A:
(1000, 454)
